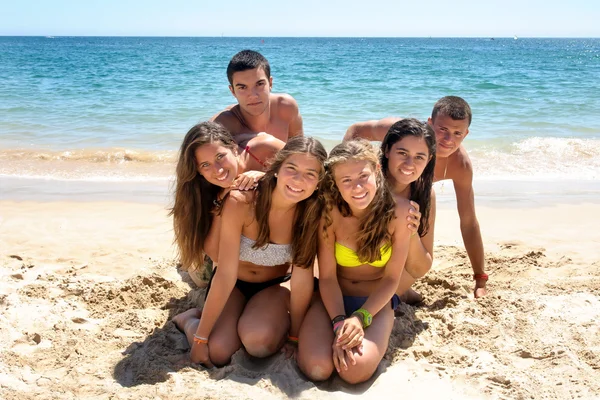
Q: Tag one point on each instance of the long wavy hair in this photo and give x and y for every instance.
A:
(420, 190)
(308, 212)
(195, 198)
(373, 228)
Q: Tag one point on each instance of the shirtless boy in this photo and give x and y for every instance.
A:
(450, 119)
(258, 110)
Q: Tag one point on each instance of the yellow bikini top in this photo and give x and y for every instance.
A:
(347, 257)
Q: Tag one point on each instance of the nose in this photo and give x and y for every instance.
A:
(409, 161)
(218, 168)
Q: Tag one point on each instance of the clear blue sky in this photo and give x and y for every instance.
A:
(263, 18)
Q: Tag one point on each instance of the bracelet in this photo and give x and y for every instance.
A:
(483, 277)
(200, 339)
(337, 319)
(292, 339)
(337, 326)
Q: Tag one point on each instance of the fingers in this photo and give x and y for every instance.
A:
(244, 183)
(336, 361)
(356, 340)
(350, 354)
(342, 358)
(415, 205)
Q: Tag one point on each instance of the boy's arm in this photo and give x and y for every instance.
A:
(469, 226)
(374, 130)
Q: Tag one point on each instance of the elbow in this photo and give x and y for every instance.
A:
(350, 133)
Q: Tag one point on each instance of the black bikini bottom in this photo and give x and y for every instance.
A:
(249, 289)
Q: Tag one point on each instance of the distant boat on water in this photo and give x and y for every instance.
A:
(516, 38)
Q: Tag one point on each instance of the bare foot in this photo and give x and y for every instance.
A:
(183, 320)
(411, 297)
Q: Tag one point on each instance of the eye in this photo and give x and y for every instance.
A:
(204, 165)
(312, 175)
(261, 83)
(219, 156)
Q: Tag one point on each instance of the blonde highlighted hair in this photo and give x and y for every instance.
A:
(373, 230)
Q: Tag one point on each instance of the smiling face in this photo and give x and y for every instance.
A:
(449, 133)
(407, 158)
(298, 177)
(217, 164)
(251, 88)
(357, 182)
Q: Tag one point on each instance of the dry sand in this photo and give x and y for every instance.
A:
(88, 289)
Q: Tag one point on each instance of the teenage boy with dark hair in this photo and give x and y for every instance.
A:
(257, 110)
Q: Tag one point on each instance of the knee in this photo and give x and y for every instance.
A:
(418, 271)
(221, 351)
(315, 367)
(358, 373)
(260, 342)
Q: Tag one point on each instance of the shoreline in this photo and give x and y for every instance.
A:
(500, 193)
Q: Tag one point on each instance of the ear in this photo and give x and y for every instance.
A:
(466, 133)
(430, 122)
(231, 90)
(386, 153)
(270, 83)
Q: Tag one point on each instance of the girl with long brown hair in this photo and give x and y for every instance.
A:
(408, 154)
(263, 233)
(211, 164)
(363, 245)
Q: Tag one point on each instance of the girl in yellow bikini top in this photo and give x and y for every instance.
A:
(346, 257)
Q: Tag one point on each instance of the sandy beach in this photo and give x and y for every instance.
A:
(88, 290)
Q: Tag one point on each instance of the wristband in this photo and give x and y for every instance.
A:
(337, 326)
(337, 319)
(364, 317)
(292, 339)
(200, 339)
(483, 277)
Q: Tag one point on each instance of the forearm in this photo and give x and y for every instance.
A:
(381, 296)
(474, 245)
(419, 260)
(220, 290)
(332, 297)
(299, 302)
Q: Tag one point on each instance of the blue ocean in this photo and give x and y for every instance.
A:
(116, 108)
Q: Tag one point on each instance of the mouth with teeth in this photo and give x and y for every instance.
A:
(223, 176)
(405, 172)
(293, 189)
(362, 196)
